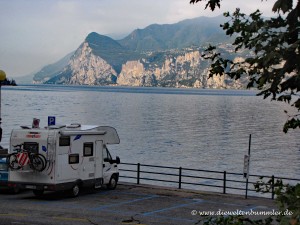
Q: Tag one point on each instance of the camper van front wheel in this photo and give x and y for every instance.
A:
(113, 182)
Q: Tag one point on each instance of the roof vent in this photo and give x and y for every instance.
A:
(74, 125)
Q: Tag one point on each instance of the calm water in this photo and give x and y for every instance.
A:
(201, 129)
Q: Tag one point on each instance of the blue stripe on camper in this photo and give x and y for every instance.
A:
(44, 148)
(77, 137)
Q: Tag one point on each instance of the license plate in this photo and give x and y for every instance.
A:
(30, 186)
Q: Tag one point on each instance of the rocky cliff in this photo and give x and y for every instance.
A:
(180, 69)
(100, 60)
(85, 68)
(175, 68)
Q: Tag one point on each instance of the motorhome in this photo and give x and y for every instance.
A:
(66, 157)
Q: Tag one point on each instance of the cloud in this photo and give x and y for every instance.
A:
(35, 33)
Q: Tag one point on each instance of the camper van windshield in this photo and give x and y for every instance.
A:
(106, 154)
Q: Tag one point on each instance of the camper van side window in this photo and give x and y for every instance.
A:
(88, 149)
(73, 158)
(64, 141)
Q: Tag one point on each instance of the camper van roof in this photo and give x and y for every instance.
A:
(110, 133)
(73, 126)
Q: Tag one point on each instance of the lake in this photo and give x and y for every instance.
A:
(192, 128)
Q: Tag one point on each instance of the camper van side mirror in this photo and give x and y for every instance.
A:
(106, 159)
(118, 161)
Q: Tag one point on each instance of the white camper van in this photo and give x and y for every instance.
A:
(67, 157)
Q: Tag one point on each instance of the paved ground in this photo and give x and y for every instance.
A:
(128, 204)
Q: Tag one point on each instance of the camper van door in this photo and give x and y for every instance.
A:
(108, 169)
(99, 159)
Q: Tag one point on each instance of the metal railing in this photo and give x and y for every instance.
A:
(197, 179)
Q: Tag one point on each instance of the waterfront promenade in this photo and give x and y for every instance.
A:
(128, 204)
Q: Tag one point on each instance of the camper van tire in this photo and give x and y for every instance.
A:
(113, 182)
(75, 190)
(16, 190)
(38, 193)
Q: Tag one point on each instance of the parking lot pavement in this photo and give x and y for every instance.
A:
(128, 204)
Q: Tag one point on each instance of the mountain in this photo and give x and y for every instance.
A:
(51, 70)
(110, 50)
(179, 35)
(98, 60)
(159, 55)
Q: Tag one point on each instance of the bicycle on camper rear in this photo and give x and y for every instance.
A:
(22, 157)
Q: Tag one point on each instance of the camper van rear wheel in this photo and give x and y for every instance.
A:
(113, 182)
(15, 190)
(75, 190)
(38, 192)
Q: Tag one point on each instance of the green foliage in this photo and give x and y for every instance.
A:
(273, 67)
(291, 123)
(110, 50)
(288, 213)
(8, 82)
(211, 3)
(236, 220)
(288, 199)
(284, 5)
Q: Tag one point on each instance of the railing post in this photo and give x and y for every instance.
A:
(224, 183)
(246, 195)
(273, 183)
(180, 173)
(138, 173)
(248, 169)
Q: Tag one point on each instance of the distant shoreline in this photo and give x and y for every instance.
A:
(8, 82)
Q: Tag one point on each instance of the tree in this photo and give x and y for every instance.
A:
(273, 67)
(8, 82)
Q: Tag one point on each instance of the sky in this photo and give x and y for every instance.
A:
(35, 33)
